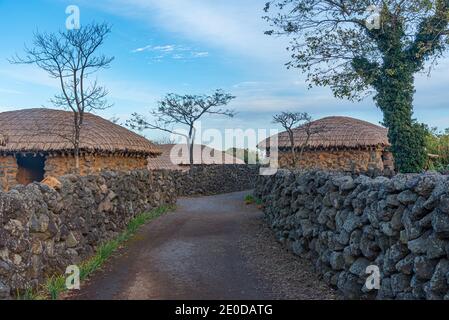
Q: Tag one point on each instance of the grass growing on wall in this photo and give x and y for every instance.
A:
(55, 285)
(250, 199)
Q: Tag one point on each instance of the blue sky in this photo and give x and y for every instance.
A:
(189, 46)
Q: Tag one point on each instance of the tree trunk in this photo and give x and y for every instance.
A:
(301, 152)
(292, 144)
(395, 99)
(191, 147)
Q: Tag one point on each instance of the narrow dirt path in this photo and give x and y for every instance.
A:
(199, 252)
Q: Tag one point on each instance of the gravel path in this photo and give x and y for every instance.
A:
(289, 277)
(209, 248)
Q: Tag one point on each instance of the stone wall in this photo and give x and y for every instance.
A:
(216, 179)
(56, 166)
(8, 171)
(45, 229)
(345, 224)
(351, 160)
(59, 165)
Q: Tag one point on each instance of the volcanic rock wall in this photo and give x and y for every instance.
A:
(44, 229)
(349, 225)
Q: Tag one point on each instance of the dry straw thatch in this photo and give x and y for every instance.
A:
(48, 130)
(176, 157)
(336, 133)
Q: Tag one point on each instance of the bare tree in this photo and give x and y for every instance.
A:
(115, 120)
(292, 120)
(70, 56)
(310, 129)
(186, 110)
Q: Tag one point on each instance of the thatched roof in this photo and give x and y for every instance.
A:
(47, 130)
(176, 157)
(335, 132)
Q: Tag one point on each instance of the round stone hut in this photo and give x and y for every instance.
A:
(38, 143)
(337, 144)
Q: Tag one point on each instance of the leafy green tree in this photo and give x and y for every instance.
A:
(358, 50)
(437, 145)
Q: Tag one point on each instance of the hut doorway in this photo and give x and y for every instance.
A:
(31, 168)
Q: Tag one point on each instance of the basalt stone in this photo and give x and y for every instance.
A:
(407, 197)
(439, 281)
(348, 257)
(440, 223)
(5, 268)
(385, 291)
(400, 283)
(5, 291)
(3, 237)
(417, 286)
(405, 296)
(426, 185)
(392, 200)
(337, 261)
(424, 268)
(349, 285)
(348, 185)
(431, 295)
(399, 183)
(444, 204)
(340, 218)
(343, 237)
(418, 209)
(298, 247)
(392, 256)
(368, 247)
(359, 267)
(436, 197)
(387, 229)
(436, 248)
(405, 265)
(352, 222)
(425, 223)
(420, 245)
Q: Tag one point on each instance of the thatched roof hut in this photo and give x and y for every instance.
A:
(177, 157)
(336, 143)
(38, 143)
(48, 130)
(335, 133)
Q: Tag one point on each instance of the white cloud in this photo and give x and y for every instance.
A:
(177, 52)
(200, 54)
(236, 26)
(164, 48)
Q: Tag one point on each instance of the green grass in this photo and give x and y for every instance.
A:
(55, 285)
(249, 199)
